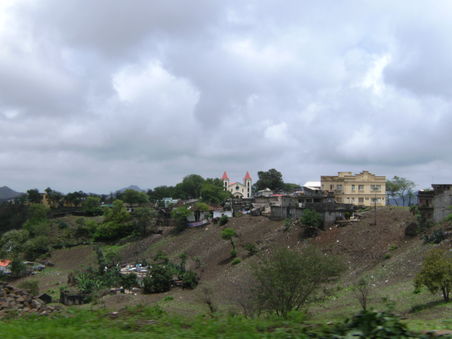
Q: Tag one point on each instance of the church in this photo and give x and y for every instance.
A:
(238, 189)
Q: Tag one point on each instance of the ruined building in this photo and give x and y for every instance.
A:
(436, 204)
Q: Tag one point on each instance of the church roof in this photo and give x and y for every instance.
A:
(247, 176)
(225, 176)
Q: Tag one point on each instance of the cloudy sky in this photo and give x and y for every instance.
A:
(97, 95)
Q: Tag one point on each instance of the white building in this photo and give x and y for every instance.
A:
(238, 189)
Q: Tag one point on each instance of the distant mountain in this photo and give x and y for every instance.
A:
(398, 201)
(7, 193)
(131, 187)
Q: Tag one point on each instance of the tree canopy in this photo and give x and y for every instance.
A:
(399, 187)
(271, 179)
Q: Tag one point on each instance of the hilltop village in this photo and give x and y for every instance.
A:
(134, 246)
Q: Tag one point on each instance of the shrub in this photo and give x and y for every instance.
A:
(158, 280)
(229, 234)
(36, 247)
(251, 248)
(129, 280)
(236, 261)
(223, 220)
(436, 273)
(435, 238)
(311, 218)
(180, 215)
(18, 268)
(189, 279)
(287, 280)
(31, 286)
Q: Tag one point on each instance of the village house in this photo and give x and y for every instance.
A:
(363, 189)
(238, 189)
(436, 204)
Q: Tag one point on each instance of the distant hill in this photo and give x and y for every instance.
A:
(7, 193)
(398, 201)
(131, 187)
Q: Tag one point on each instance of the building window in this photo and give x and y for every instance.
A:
(353, 188)
(375, 187)
(360, 187)
(331, 187)
(237, 188)
(339, 187)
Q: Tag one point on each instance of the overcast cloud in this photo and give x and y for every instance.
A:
(97, 95)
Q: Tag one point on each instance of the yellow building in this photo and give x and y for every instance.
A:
(365, 188)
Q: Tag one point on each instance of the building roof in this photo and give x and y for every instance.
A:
(5, 262)
(225, 176)
(247, 176)
(312, 184)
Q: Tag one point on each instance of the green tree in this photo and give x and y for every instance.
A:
(12, 242)
(311, 218)
(145, 219)
(286, 280)
(37, 222)
(190, 187)
(180, 214)
(33, 196)
(158, 280)
(271, 179)
(213, 192)
(134, 197)
(53, 197)
(436, 273)
(116, 223)
(399, 187)
(91, 206)
(75, 198)
(229, 234)
(160, 192)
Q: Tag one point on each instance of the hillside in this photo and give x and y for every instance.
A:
(379, 252)
(7, 193)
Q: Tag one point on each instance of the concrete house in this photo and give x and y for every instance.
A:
(436, 204)
(363, 189)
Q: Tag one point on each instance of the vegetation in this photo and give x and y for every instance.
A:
(230, 234)
(153, 322)
(400, 187)
(180, 215)
(311, 218)
(436, 273)
(287, 280)
(158, 280)
(223, 220)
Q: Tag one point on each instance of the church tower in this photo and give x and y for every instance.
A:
(247, 181)
(225, 180)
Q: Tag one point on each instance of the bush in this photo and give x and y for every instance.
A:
(436, 273)
(435, 238)
(251, 248)
(158, 280)
(189, 279)
(18, 268)
(236, 261)
(36, 247)
(223, 220)
(180, 215)
(286, 280)
(311, 218)
(31, 286)
(129, 280)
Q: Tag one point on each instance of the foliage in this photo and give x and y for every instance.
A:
(158, 280)
(286, 280)
(229, 234)
(399, 187)
(290, 187)
(33, 196)
(160, 192)
(54, 198)
(75, 198)
(11, 242)
(362, 291)
(116, 223)
(311, 218)
(251, 248)
(12, 215)
(369, 324)
(223, 220)
(31, 286)
(18, 268)
(134, 197)
(271, 179)
(85, 228)
(190, 187)
(145, 220)
(35, 247)
(180, 215)
(91, 206)
(435, 238)
(236, 261)
(212, 192)
(134, 322)
(436, 273)
(189, 279)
